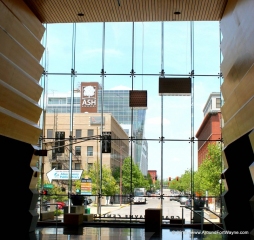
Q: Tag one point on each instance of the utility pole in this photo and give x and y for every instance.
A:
(121, 162)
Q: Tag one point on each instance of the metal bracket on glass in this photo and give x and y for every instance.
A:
(161, 196)
(132, 72)
(103, 72)
(161, 139)
(73, 72)
(192, 73)
(162, 73)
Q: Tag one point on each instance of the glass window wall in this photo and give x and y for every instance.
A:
(90, 69)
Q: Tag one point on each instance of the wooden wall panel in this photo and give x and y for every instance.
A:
(26, 17)
(242, 94)
(229, 108)
(227, 20)
(251, 136)
(239, 57)
(237, 69)
(245, 117)
(238, 34)
(230, 131)
(18, 103)
(240, 124)
(18, 79)
(16, 127)
(14, 51)
(20, 33)
(20, 54)
(229, 84)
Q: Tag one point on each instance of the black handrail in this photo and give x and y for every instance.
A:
(202, 216)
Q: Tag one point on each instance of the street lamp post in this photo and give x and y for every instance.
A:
(121, 175)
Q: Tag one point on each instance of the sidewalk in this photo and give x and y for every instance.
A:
(105, 209)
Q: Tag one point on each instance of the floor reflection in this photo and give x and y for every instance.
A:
(105, 233)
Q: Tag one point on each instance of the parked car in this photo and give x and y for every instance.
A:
(188, 203)
(46, 205)
(88, 201)
(60, 205)
(174, 197)
(183, 200)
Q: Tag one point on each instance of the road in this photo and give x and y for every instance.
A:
(170, 209)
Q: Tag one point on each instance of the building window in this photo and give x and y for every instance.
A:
(56, 165)
(78, 133)
(49, 133)
(90, 132)
(77, 166)
(57, 100)
(78, 150)
(90, 166)
(217, 102)
(89, 151)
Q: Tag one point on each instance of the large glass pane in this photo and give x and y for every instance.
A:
(118, 45)
(59, 48)
(88, 57)
(206, 48)
(177, 48)
(147, 49)
(203, 87)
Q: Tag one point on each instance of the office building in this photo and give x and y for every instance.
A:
(86, 143)
(115, 102)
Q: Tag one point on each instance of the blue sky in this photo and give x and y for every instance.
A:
(147, 59)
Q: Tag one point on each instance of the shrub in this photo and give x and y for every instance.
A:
(58, 212)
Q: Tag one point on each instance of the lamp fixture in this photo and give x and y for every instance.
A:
(138, 99)
(174, 86)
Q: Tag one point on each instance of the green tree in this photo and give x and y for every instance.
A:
(56, 193)
(184, 182)
(150, 181)
(157, 184)
(116, 174)
(209, 172)
(131, 172)
(109, 184)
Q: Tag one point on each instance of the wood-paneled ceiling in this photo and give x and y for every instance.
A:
(68, 11)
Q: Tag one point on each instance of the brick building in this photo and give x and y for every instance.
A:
(153, 174)
(210, 128)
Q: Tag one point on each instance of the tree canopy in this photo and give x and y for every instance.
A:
(136, 178)
(206, 178)
(209, 172)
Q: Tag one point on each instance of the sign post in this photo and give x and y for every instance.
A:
(86, 186)
(63, 175)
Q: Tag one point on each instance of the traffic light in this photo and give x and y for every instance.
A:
(106, 144)
(59, 142)
(177, 178)
(169, 179)
(44, 192)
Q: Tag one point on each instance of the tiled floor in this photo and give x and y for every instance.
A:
(118, 233)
